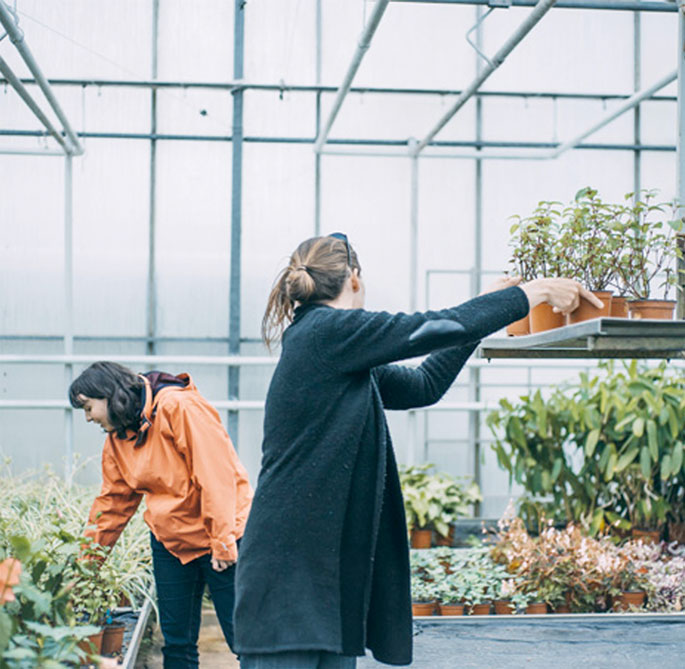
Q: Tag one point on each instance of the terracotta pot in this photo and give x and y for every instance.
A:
(627, 599)
(536, 608)
(92, 645)
(451, 609)
(676, 532)
(519, 328)
(587, 311)
(421, 538)
(503, 607)
(445, 541)
(659, 309)
(112, 639)
(543, 318)
(619, 307)
(423, 608)
(481, 609)
(562, 608)
(646, 536)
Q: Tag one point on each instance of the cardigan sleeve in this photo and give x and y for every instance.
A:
(354, 340)
(406, 388)
(115, 504)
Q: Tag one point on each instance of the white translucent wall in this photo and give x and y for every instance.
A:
(416, 45)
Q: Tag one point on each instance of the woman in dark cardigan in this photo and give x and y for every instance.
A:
(324, 567)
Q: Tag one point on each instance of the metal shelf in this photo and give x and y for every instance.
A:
(597, 338)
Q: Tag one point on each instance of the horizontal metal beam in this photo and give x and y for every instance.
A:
(31, 152)
(401, 143)
(152, 360)
(312, 88)
(612, 5)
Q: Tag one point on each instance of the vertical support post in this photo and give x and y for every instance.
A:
(637, 85)
(412, 418)
(474, 372)
(680, 179)
(68, 313)
(236, 215)
(151, 347)
(317, 154)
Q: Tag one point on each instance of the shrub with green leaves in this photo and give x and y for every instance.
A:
(604, 450)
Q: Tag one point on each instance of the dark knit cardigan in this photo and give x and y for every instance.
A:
(323, 562)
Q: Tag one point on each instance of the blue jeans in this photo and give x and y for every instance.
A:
(180, 588)
(302, 659)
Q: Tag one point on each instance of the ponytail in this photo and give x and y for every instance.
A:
(316, 273)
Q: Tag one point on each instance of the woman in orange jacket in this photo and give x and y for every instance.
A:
(167, 443)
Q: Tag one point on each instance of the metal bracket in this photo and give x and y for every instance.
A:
(493, 5)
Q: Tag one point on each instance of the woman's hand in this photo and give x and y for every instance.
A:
(502, 283)
(563, 294)
(221, 565)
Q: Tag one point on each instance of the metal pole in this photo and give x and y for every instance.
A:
(360, 52)
(637, 83)
(236, 216)
(412, 418)
(474, 372)
(631, 102)
(16, 35)
(542, 7)
(152, 223)
(680, 177)
(317, 154)
(613, 5)
(68, 313)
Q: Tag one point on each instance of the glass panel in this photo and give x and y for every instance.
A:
(111, 218)
(193, 238)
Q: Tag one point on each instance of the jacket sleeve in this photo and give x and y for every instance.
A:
(214, 470)
(115, 504)
(406, 388)
(354, 340)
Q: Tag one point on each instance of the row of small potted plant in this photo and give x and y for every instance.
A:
(624, 252)
(59, 592)
(563, 571)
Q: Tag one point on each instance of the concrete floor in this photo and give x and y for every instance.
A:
(214, 653)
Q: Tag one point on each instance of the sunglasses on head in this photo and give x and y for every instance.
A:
(343, 237)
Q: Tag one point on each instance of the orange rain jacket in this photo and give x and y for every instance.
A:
(196, 490)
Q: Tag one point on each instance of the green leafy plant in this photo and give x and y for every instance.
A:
(650, 245)
(605, 451)
(534, 240)
(435, 501)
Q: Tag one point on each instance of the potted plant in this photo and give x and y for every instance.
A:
(423, 598)
(450, 593)
(605, 451)
(534, 254)
(433, 502)
(589, 245)
(651, 248)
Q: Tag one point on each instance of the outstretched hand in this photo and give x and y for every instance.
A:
(563, 294)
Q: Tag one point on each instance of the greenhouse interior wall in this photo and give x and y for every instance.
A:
(163, 156)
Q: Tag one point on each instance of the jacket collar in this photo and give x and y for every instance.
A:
(147, 413)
